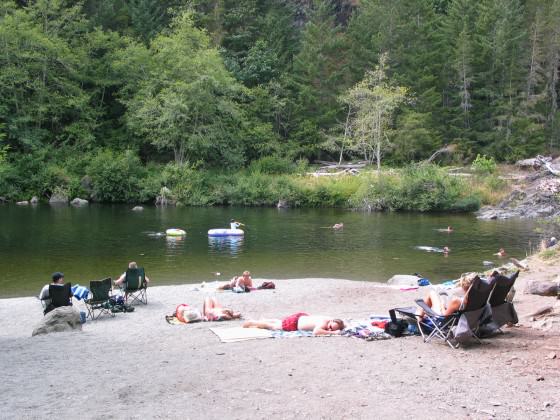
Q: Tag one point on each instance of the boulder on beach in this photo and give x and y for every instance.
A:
(34, 200)
(64, 318)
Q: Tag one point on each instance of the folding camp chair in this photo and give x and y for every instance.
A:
(99, 298)
(503, 311)
(59, 295)
(135, 286)
(460, 326)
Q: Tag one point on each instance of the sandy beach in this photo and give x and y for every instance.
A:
(136, 365)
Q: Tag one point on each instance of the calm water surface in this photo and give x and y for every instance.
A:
(97, 241)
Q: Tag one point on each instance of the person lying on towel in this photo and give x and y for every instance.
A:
(320, 325)
(212, 310)
(445, 305)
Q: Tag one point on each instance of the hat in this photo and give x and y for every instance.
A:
(57, 276)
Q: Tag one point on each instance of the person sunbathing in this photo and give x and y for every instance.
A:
(244, 281)
(445, 305)
(320, 325)
(212, 310)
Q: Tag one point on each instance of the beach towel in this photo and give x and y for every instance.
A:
(234, 334)
(80, 292)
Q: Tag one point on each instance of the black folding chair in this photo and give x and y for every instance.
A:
(503, 311)
(59, 295)
(135, 286)
(460, 326)
(100, 298)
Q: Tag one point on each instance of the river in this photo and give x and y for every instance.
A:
(98, 241)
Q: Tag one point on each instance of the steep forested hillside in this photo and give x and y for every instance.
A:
(108, 90)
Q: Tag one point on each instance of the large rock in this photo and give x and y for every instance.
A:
(65, 318)
(3, 200)
(87, 184)
(137, 208)
(78, 202)
(58, 198)
(34, 200)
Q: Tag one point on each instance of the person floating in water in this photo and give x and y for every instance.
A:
(449, 229)
(338, 226)
(446, 251)
(501, 253)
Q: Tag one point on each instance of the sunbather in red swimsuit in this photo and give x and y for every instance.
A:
(290, 323)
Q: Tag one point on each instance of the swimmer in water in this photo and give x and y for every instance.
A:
(446, 251)
(501, 253)
(338, 226)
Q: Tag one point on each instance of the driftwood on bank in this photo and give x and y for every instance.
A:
(335, 165)
(546, 163)
(342, 169)
(450, 148)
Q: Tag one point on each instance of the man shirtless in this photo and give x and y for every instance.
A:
(320, 325)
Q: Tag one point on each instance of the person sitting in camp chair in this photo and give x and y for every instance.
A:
(134, 283)
(63, 298)
(131, 265)
(446, 305)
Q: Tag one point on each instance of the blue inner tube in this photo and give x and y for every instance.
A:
(225, 232)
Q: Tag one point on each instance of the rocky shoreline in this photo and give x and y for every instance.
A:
(536, 195)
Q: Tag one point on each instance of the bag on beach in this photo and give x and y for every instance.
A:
(267, 285)
(395, 327)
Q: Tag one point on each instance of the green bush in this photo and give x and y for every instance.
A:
(417, 188)
(271, 165)
(484, 165)
(117, 177)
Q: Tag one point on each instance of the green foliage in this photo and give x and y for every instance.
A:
(272, 165)
(416, 188)
(548, 254)
(239, 81)
(484, 165)
(117, 177)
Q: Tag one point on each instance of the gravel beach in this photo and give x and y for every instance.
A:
(136, 365)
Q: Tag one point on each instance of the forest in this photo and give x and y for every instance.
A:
(202, 100)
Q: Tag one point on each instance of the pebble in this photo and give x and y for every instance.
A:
(540, 378)
(551, 355)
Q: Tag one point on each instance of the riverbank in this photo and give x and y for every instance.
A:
(137, 365)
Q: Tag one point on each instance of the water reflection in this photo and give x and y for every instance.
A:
(175, 244)
(225, 244)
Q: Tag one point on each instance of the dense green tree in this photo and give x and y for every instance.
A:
(42, 98)
(318, 76)
(184, 100)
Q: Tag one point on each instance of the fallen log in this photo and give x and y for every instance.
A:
(539, 313)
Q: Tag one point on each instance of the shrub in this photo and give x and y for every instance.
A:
(271, 165)
(117, 177)
(484, 165)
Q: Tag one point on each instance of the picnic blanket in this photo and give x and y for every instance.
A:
(234, 334)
